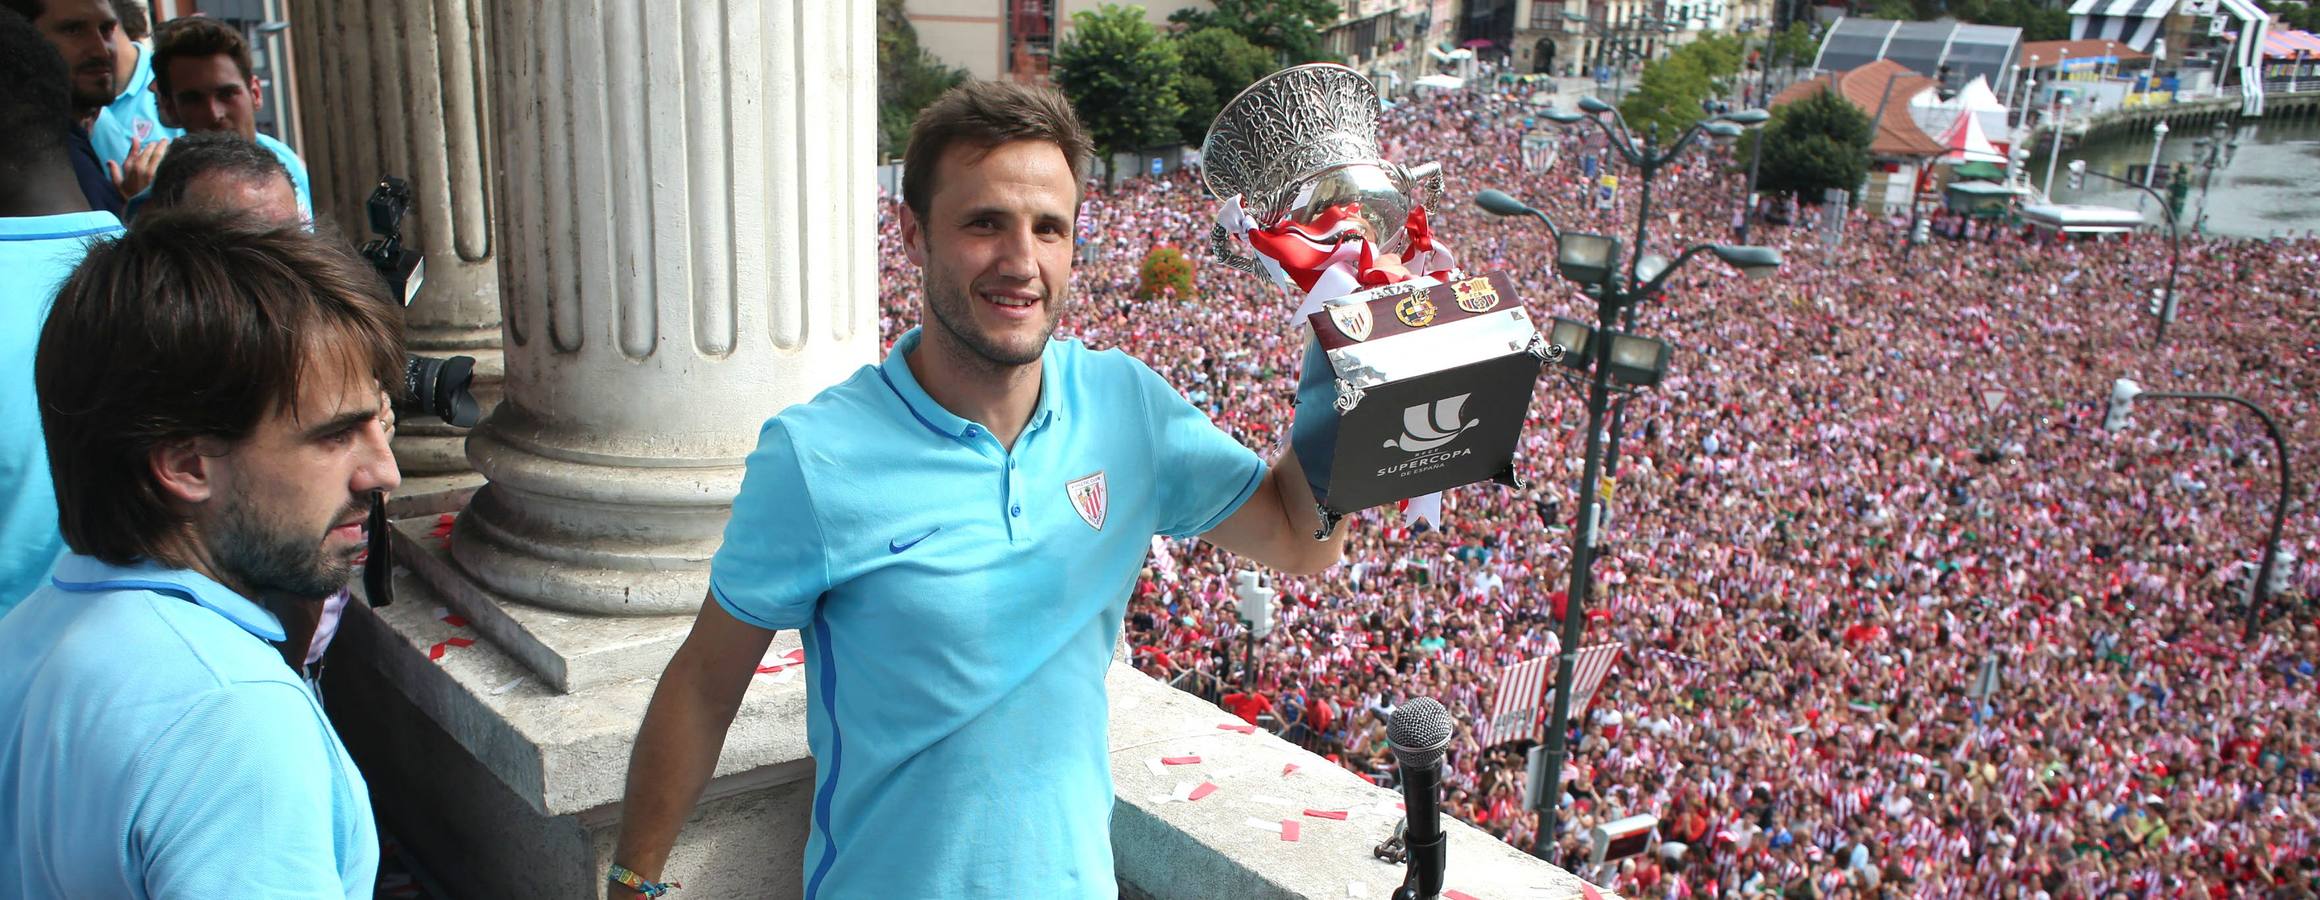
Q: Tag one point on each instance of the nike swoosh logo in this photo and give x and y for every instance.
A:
(899, 546)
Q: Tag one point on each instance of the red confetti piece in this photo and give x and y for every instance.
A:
(1588, 892)
(1337, 814)
(1286, 769)
(1180, 760)
(795, 657)
(435, 652)
(461, 642)
(455, 620)
(1457, 895)
(443, 525)
(1244, 728)
(1288, 829)
(1203, 790)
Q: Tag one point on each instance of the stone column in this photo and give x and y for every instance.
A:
(682, 218)
(397, 88)
(688, 243)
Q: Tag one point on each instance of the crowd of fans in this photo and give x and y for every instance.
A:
(1865, 481)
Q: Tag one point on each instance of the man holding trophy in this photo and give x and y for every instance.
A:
(955, 533)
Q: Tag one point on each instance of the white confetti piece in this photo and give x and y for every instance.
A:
(1276, 801)
(1154, 764)
(1184, 791)
(502, 689)
(1272, 825)
(1356, 889)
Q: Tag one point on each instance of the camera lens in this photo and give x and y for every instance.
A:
(441, 388)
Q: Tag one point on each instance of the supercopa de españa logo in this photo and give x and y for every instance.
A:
(1426, 429)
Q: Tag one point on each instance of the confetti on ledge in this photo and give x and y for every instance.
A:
(502, 689)
(1337, 814)
(784, 662)
(1457, 895)
(1355, 890)
(1244, 728)
(1153, 763)
(1289, 828)
(1288, 768)
(1180, 760)
(1203, 790)
(436, 652)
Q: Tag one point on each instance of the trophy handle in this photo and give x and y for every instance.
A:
(1221, 243)
(1429, 176)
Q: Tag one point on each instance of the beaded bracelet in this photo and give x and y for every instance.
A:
(620, 875)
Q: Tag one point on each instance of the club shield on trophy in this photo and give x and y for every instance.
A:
(1417, 378)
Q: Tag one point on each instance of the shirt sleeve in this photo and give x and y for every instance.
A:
(1201, 475)
(240, 805)
(774, 564)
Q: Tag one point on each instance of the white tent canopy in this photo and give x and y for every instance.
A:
(1440, 82)
(1938, 116)
(1966, 143)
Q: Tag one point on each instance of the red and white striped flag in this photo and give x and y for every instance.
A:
(1521, 702)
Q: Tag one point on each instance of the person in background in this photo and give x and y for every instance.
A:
(83, 32)
(216, 397)
(129, 136)
(220, 170)
(45, 227)
(201, 70)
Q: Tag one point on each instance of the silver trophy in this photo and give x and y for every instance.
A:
(1407, 389)
(1305, 139)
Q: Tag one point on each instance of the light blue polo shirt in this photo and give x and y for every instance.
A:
(153, 744)
(134, 114)
(959, 603)
(297, 169)
(37, 253)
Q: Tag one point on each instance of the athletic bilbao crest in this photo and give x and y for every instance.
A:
(1088, 498)
(1352, 320)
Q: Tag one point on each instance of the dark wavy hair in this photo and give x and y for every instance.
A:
(985, 114)
(196, 324)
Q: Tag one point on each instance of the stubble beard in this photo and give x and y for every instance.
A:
(952, 307)
(272, 559)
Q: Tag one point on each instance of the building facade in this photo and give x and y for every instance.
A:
(1015, 39)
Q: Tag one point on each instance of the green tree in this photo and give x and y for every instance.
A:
(909, 78)
(1217, 64)
(1814, 144)
(1289, 29)
(1121, 76)
(1795, 47)
(1671, 90)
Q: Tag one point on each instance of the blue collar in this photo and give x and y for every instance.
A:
(88, 575)
(63, 226)
(896, 371)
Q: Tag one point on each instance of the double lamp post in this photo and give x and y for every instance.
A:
(1611, 352)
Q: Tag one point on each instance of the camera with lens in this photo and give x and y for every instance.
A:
(439, 387)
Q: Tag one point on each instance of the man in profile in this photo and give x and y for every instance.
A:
(83, 32)
(201, 69)
(46, 225)
(214, 392)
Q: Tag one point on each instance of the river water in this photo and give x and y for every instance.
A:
(2271, 187)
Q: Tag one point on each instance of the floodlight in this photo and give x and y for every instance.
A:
(1638, 361)
(1586, 258)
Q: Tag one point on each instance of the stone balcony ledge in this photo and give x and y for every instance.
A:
(539, 774)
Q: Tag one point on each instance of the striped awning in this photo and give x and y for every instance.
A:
(2282, 43)
(2135, 23)
(2124, 9)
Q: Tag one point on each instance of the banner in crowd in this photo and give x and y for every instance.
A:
(1522, 698)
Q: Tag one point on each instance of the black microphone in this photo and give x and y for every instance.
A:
(1418, 731)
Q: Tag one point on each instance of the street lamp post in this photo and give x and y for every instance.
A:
(2158, 139)
(2211, 152)
(2166, 310)
(1593, 262)
(2123, 395)
(2061, 106)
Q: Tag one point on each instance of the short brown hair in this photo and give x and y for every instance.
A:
(985, 114)
(194, 37)
(196, 324)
